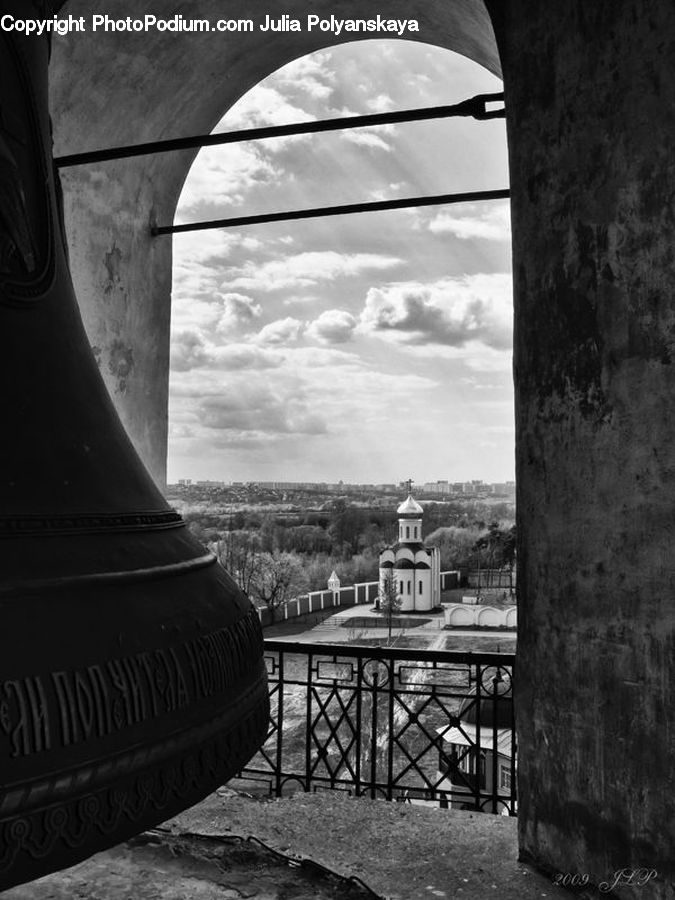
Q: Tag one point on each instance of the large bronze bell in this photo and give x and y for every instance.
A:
(131, 673)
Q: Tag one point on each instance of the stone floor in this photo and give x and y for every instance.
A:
(398, 851)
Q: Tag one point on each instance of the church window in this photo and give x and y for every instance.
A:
(408, 587)
(407, 531)
(401, 587)
(415, 531)
(420, 587)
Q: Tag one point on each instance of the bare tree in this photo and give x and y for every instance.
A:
(237, 551)
(277, 578)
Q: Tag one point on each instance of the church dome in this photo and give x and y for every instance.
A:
(410, 507)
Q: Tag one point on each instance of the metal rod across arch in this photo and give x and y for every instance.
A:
(477, 107)
(321, 211)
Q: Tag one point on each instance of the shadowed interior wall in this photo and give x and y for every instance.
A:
(591, 125)
(109, 89)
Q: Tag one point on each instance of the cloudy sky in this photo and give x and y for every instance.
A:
(368, 348)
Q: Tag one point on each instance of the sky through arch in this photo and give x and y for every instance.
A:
(360, 348)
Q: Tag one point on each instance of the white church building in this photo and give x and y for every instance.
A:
(414, 568)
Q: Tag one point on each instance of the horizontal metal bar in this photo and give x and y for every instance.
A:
(318, 212)
(476, 107)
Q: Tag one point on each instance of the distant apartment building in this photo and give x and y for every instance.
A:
(503, 489)
(437, 487)
(327, 487)
(474, 488)
(290, 485)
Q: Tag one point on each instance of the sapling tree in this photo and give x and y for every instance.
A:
(390, 601)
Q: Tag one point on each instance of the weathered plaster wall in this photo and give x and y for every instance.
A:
(591, 99)
(112, 89)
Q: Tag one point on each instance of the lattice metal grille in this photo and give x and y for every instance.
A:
(397, 724)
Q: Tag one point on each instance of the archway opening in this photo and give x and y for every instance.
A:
(352, 348)
(316, 364)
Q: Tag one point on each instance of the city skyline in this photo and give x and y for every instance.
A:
(410, 484)
(358, 347)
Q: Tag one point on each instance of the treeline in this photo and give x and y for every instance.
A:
(275, 555)
(482, 546)
(340, 529)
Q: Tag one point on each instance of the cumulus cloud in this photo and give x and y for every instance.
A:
(206, 246)
(239, 313)
(226, 174)
(267, 105)
(305, 269)
(200, 308)
(367, 137)
(334, 326)
(296, 299)
(282, 331)
(371, 136)
(490, 223)
(243, 357)
(191, 350)
(199, 259)
(257, 408)
(264, 105)
(197, 299)
(187, 351)
(381, 103)
(312, 75)
(451, 311)
(198, 311)
(282, 418)
(178, 432)
(388, 193)
(279, 101)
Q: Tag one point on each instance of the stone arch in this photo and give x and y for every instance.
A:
(109, 89)
(489, 616)
(460, 615)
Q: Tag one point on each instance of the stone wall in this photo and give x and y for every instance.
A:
(458, 615)
(366, 592)
(590, 99)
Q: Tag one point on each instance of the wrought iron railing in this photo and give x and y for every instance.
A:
(405, 725)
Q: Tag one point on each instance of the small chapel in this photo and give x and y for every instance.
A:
(414, 568)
